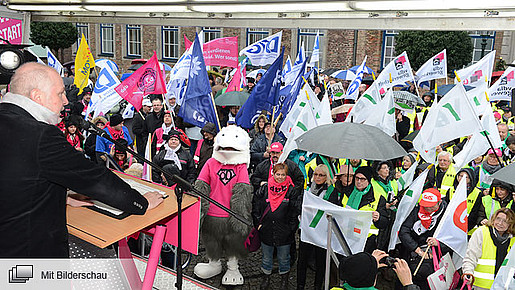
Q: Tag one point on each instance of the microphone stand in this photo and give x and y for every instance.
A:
(182, 185)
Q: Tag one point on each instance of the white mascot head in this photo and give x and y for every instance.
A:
(232, 146)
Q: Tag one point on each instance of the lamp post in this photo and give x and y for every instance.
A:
(483, 44)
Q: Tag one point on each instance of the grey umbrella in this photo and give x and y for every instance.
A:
(506, 174)
(350, 140)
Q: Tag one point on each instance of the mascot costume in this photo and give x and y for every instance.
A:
(225, 179)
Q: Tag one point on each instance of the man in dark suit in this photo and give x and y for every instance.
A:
(38, 165)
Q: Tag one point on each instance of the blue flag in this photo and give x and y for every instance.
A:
(290, 92)
(264, 96)
(198, 107)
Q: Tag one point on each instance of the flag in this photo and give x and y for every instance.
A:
(36, 56)
(407, 178)
(406, 206)
(434, 68)
(147, 169)
(354, 224)
(264, 95)
(287, 67)
(181, 69)
(265, 51)
(128, 112)
(53, 62)
(453, 227)
(296, 67)
(83, 63)
(364, 105)
(470, 75)
(353, 90)
(176, 88)
(148, 79)
(504, 278)
(398, 71)
(239, 79)
(501, 89)
(219, 52)
(453, 117)
(289, 93)
(198, 107)
(382, 116)
(311, 113)
(315, 55)
(104, 97)
(478, 145)
(477, 97)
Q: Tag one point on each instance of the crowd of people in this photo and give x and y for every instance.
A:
(183, 149)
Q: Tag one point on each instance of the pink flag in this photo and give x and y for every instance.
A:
(187, 42)
(236, 83)
(219, 52)
(148, 79)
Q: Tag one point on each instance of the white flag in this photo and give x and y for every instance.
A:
(407, 204)
(147, 169)
(452, 229)
(104, 97)
(478, 145)
(504, 278)
(382, 116)
(265, 51)
(453, 117)
(181, 69)
(315, 55)
(364, 105)
(434, 68)
(501, 89)
(353, 89)
(354, 224)
(407, 178)
(470, 75)
(289, 78)
(287, 67)
(398, 71)
(477, 97)
(54, 63)
(176, 88)
(128, 112)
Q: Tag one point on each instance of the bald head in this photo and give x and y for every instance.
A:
(30, 76)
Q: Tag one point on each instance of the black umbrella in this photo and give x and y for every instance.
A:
(350, 140)
(506, 174)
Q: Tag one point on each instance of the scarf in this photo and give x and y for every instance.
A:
(356, 196)
(490, 169)
(171, 155)
(74, 140)
(36, 110)
(387, 187)
(425, 217)
(167, 130)
(115, 134)
(349, 287)
(277, 191)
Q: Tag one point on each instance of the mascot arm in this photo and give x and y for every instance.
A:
(203, 187)
(241, 203)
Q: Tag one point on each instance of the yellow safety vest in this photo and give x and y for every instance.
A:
(343, 161)
(367, 207)
(310, 165)
(448, 179)
(484, 273)
(412, 117)
(492, 205)
(378, 188)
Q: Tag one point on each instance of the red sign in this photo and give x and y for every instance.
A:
(11, 29)
(219, 52)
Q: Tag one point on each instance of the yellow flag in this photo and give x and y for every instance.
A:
(83, 63)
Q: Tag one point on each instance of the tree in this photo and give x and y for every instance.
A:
(422, 45)
(55, 35)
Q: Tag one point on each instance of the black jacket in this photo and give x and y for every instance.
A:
(38, 165)
(262, 173)
(187, 165)
(278, 227)
(206, 152)
(153, 121)
(89, 147)
(140, 134)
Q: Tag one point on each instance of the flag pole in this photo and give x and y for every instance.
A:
(216, 113)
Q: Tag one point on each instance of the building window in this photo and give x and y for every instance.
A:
(107, 39)
(211, 33)
(308, 36)
(170, 42)
(82, 28)
(388, 47)
(134, 40)
(483, 42)
(256, 34)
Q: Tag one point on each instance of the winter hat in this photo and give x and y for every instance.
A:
(359, 270)
(115, 119)
(276, 147)
(72, 121)
(497, 115)
(100, 119)
(209, 128)
(498, 152)
(430, 197)
(146, 102)
(172, 133)
(365, 170)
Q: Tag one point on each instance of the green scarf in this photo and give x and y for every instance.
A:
(356, 196)
(349, 287)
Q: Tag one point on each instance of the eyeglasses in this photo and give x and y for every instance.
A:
(319, 174)
(360, 179)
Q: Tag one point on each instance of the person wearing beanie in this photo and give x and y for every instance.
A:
(116, 130)
(174, 159)
(204, 149)
(91, 140)
(416, 235)
(361, 196)
(499, 195)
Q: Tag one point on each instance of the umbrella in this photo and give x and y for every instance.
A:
(253, 74)
(367, 69)
(406, 101)
(101, 63)
(444, 89)
(411, 136)
(329, 71)
(344, 75)
(350, 140)
(233, 98)
(506, 174)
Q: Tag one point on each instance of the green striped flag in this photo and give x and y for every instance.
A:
(407, 178)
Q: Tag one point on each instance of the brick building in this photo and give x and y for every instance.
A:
(123, 43)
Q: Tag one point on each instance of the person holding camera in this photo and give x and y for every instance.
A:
(359, 271)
